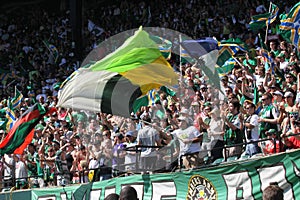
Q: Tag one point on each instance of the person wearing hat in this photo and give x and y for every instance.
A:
(268, 115)
(148, 136)
(291, 125)
(278, 98)
(130, 157)
(268, 146)
(289, 98)
(189, 143)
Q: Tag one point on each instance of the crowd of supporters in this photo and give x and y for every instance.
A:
(197, 126)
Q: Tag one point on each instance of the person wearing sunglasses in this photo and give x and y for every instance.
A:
(250, 125)
(268, 116)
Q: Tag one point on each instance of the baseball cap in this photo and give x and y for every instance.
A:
(288, 94)
(130, 133)
(271, 131)
(182, 118)
(277, 92)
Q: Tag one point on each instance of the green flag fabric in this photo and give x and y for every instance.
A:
(126, 74)
(289, 26)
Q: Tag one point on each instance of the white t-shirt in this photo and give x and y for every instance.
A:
(130, 157)
(188, 133)
(21, 171)
(254, 131)
(148, 136)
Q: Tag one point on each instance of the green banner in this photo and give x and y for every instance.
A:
(242, 179)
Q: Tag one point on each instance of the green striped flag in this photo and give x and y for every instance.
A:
(17, 99)
(290, 26)
(112, 84)
(229, 48)
(226, 68)
(52, 49)
(262, 20)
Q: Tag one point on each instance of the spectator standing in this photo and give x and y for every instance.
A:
(105, 160)
(130, 157)
(189, 143)
(21, 171)
(9, 168)
(118, 154)
(32, 165)
(148, 136)
(251, 130)
(233, 129)
(267, 116)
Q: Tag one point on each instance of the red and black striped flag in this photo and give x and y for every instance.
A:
(22, 132)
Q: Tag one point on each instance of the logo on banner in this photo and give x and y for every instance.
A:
(200, 188)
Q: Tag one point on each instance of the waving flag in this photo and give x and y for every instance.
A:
(150, 98)
(93, 28)
(4, 75)
(52, 49)
(290, 26)
(10, 116)
(226, 67)
(230, 48)
(262, 20)
(112, 84)
(17, 99)
(164, 46)
(205, 51)
(22, 132)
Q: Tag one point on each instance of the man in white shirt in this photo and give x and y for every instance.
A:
(21, 171)
(189, 138)
(148, 136)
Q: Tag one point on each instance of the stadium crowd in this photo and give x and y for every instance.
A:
(197, 126)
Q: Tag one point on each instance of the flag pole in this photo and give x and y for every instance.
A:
(180, 68)
(266, 36)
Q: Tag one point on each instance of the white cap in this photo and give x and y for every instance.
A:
(288, 94)
(277, 92)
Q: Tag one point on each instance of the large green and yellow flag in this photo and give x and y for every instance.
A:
(112, 84)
